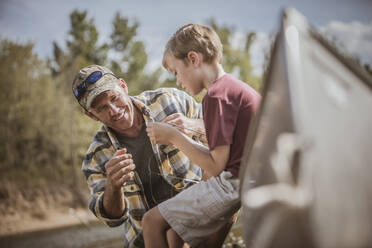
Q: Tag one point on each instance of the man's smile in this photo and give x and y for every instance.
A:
(119, 116)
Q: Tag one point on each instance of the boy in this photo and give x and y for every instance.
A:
(194, 56)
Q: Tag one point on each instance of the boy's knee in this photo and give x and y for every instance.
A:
(147, 218)
(153, 218)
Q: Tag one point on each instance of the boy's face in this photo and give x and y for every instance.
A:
(114, 109)
(187, 76)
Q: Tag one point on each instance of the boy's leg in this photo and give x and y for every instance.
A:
(154, 229)
(218, 238)
(213, 241)
(195, 213)
(175, 241)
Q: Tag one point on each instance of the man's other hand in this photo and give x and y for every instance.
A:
(119, 169)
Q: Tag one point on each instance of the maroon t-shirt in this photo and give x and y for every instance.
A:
(228, 108)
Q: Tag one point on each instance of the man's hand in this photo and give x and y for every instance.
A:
(119, 169)
(161, 133)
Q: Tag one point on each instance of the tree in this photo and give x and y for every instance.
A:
(84, 38)
(237, 60)
(82, 49)
(33, 130)
(368, 68)
(132, 56)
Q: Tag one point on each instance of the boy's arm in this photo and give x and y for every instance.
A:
(213, 162)
(190, 118)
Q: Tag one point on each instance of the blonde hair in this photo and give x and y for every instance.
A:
(194, 37)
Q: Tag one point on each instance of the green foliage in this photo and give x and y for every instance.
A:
(237, 60)
(82, 50)
(132, 57)
(123, 33)
(83, 39)
(33, 128)
(368, 69)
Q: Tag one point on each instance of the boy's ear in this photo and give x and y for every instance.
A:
(194, 58)
(90, 115)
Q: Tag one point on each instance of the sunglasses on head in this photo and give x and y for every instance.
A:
(91, 79)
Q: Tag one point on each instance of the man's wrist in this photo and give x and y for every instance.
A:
(113, 203)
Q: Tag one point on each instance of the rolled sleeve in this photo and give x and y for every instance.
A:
(96, 206)
(93, 169)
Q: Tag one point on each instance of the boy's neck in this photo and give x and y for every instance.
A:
(212, 72)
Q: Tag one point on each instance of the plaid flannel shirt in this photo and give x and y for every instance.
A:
(173, 164)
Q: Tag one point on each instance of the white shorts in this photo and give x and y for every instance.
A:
(202, 209)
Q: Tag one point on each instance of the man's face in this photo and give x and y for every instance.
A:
(187, 75)
(114, 109)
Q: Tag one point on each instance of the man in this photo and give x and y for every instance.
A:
(128, 174)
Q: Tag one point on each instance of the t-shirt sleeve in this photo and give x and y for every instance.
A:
(219, 120)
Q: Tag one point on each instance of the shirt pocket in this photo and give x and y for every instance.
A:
(131, 188)
(169, 150)
(134, 197)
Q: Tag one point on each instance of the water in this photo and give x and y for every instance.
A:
(80, 236)
(96, 235)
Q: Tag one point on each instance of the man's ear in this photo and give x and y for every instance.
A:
(194, 58)
(90, 115)
(124, 85)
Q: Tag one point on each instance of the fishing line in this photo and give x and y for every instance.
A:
(178, 126)
(162, 176)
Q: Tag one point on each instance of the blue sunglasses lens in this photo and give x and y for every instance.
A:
(94, 77)
(80, 90)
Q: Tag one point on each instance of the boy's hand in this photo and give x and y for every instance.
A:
(188, 126)
(180, 122)
(119, 169)
(160, 133)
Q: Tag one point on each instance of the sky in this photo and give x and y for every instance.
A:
(45, 21)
